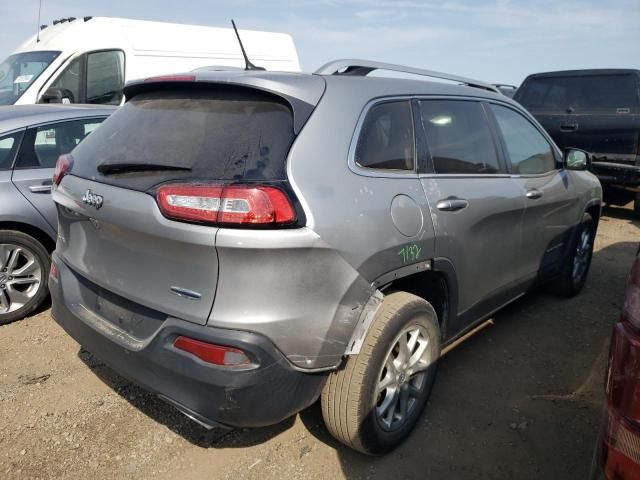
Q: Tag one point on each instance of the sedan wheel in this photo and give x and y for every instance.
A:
(20, 277)
(24, 268)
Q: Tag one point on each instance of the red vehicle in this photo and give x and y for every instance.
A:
(617, 455)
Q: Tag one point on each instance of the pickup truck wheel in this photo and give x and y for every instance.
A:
(376, 399)
(576, 265)
(24, 268)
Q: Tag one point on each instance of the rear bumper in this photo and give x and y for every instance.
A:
(263, 393)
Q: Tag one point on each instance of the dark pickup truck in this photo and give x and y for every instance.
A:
(597, 111)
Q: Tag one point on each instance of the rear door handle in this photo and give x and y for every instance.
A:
(452, 204)
(534, 194)
(40, 188)
(569, 127)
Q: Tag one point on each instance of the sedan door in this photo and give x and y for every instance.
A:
(552, 207)
(475, 206)
(40, 149)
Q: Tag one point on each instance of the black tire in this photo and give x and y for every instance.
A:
(350, 400)
(636, 206)
(38, 292)
(569, 284)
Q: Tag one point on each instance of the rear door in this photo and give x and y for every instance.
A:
(123, 244)
(36, 160)
(475, 206)
(552, 207)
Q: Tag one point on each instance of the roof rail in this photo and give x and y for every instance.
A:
(362, 68)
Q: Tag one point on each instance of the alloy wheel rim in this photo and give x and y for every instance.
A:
(20, 277)
(581, 257)
(402, 378)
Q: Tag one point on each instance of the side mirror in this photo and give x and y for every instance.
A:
(57, 95)
(576, 159)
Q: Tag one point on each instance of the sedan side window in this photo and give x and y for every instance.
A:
(43, 145)
(8, 147)
(386, 140)
(528, 151)
(458, 137)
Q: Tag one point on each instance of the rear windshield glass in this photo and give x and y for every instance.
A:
(231, 135)
(613, 93)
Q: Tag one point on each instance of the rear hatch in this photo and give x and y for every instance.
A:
(114, 236)
(598, 112)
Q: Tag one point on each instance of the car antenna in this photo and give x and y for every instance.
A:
(247, 63)
(39, 28)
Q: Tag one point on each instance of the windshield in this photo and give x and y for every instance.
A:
(19, 71)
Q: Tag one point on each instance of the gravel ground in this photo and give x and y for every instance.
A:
(522, 399)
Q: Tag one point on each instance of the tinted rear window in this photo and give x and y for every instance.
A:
(613, 93)
(226, 135)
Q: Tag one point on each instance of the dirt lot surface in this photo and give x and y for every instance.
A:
(522, 399)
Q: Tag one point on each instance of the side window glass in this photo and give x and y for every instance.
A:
(51, 141)
(105, 77)
(528, 151)
(386, 140)
(70, 81)
(8, 146)
(458, 137)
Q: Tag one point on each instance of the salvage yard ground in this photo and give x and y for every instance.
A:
(522, 399)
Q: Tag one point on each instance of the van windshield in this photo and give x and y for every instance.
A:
(616, 93)
(19, 71)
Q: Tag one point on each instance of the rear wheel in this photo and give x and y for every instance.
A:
(576, 264)
(373, 403)
(24, 268)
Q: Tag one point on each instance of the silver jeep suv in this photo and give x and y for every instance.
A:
(244, 243)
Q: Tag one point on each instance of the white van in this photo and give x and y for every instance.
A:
(88, 60)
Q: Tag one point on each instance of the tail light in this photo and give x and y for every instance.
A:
(620, 442)
(63, 166)
(212, 353)
(620, 448)
(171, 78)
(226, 205)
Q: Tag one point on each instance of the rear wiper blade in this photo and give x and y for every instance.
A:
(111, 168)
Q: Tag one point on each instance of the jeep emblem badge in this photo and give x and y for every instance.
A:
(92, 199)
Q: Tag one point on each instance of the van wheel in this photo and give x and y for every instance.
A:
(576, 265)
(375, 400)
(24, 269)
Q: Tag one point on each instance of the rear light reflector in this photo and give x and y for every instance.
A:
(211, 353)
(53, 272)
(230, 205)
(63, 166)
